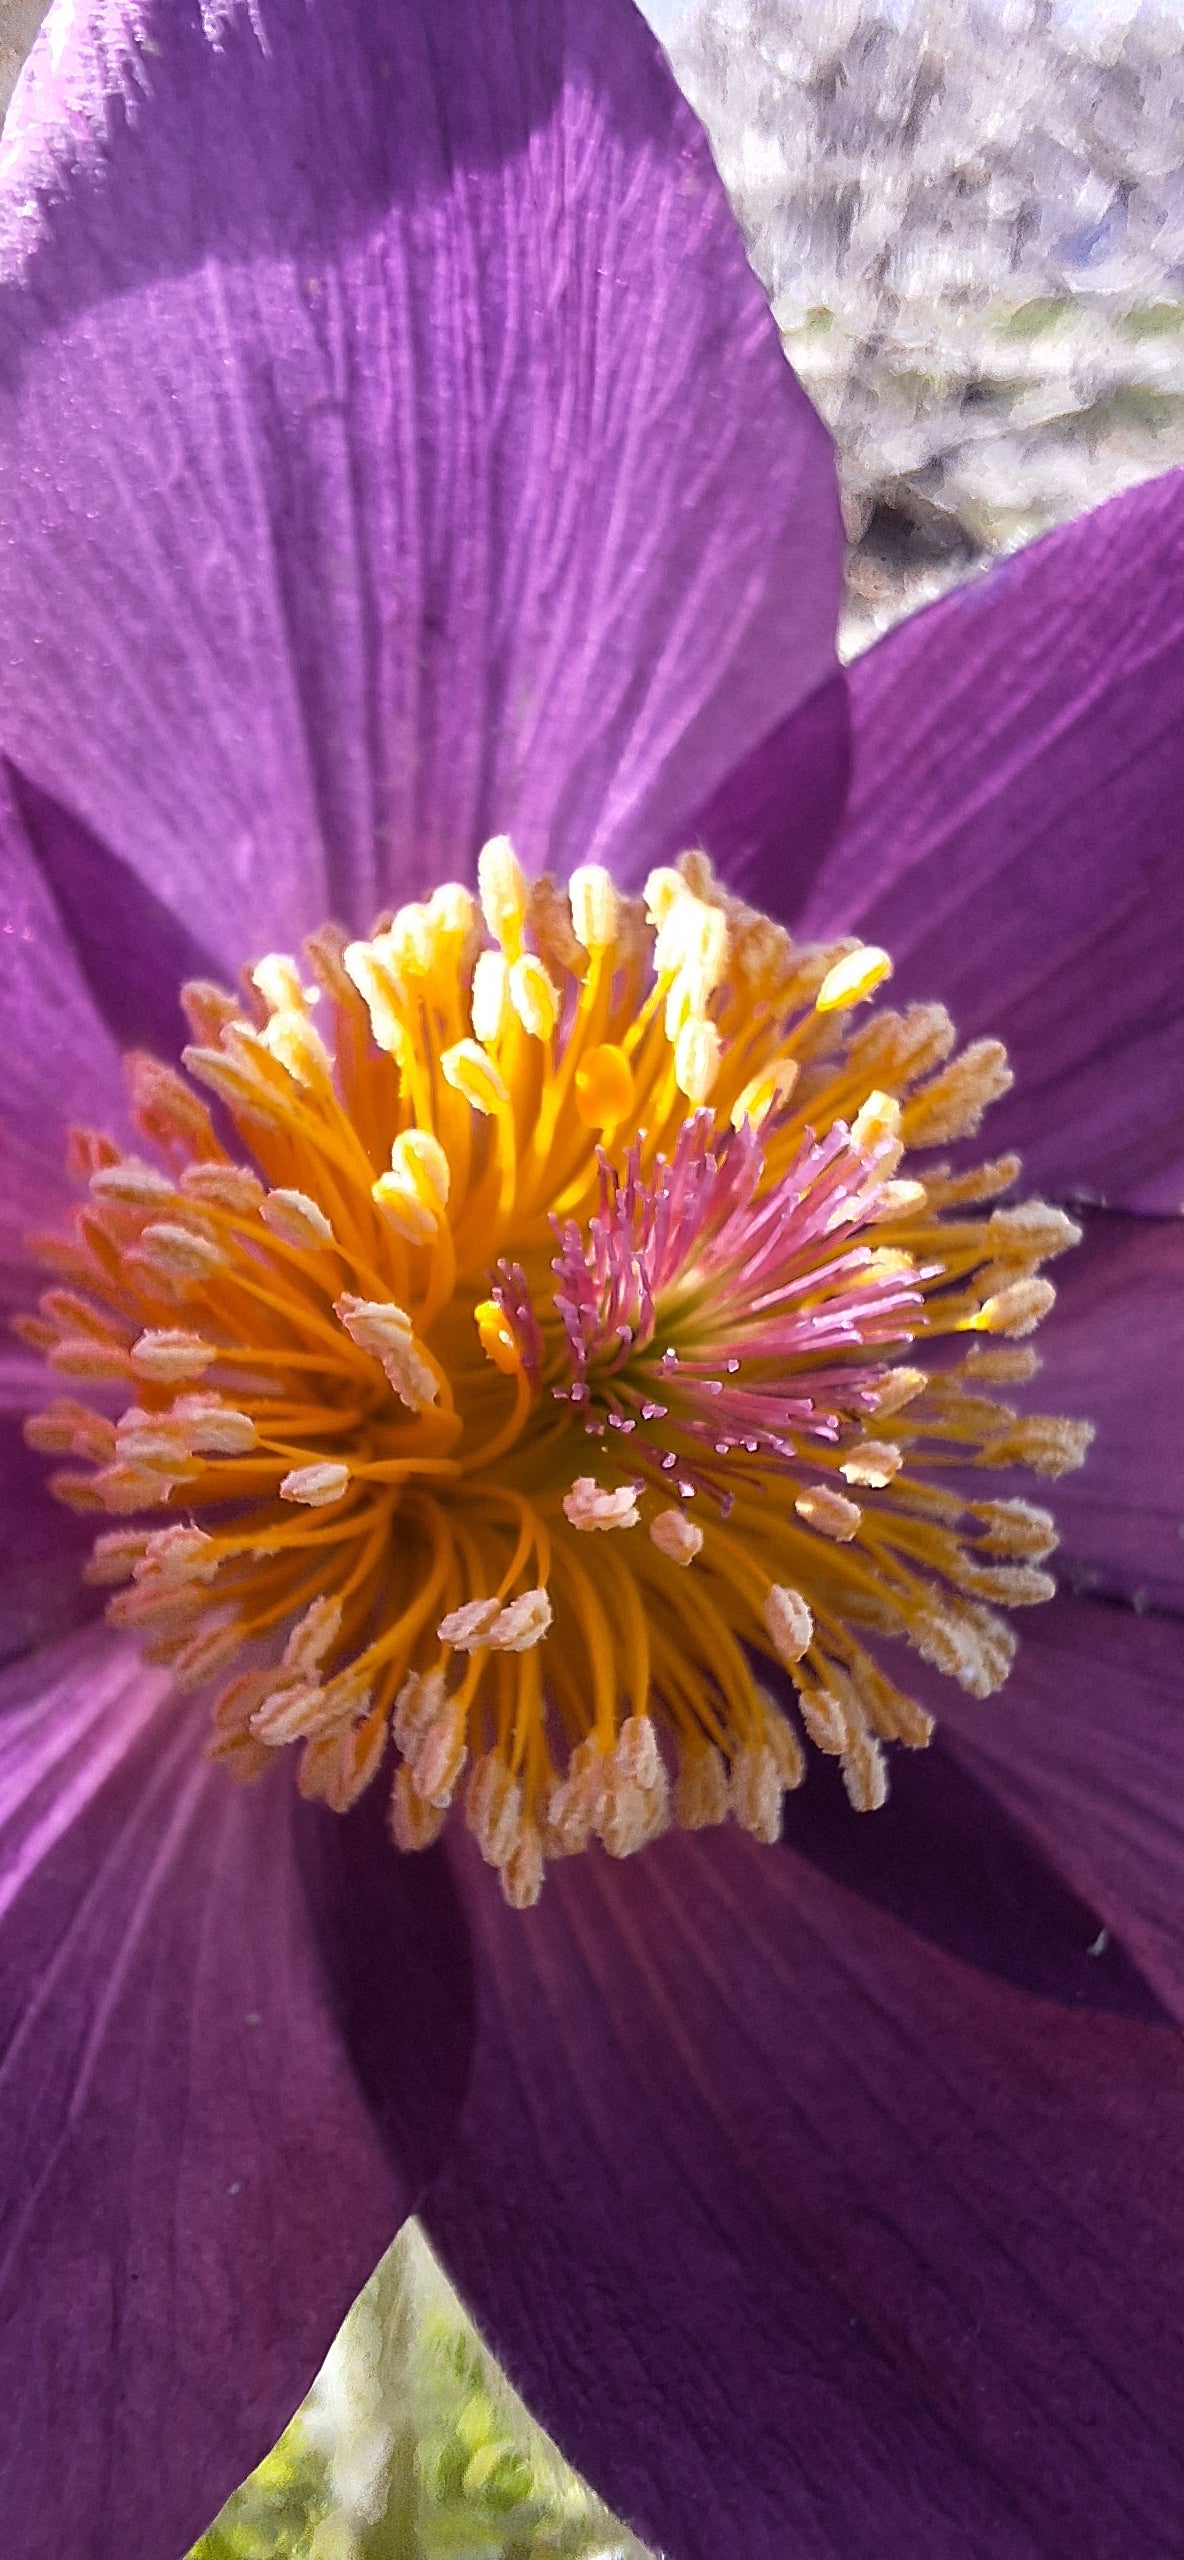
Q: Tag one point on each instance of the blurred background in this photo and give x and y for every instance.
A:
(969, 219)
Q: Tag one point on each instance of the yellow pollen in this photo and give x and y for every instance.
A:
(569, 1214)
(852, 980)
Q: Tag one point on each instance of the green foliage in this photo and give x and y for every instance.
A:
(277, 2511)
(413, 2446)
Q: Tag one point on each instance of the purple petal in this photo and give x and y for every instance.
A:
(194, 2185)
(804, 2235)
(130, 950)
(1014, 836)
(1085, 1749)
(44, 1546)
(59, 1060)
(1109, 1351)
(774, 816)
(397, 448)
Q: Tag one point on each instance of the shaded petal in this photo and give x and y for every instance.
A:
(1015, 830)
(397, 447)
(60, 1063)
(1110, 1351)
(1085, 1748)
(804, 2236)
(775, 814)
(193, 2185)
(44, 1546)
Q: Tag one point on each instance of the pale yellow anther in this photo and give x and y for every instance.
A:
(178, 1253)
(604, 1087)
(415, 1191)
(151, 1440)
(877, 1119)
(755, 1793)
(471, 1072)
(589, 1506)
(80, 1355)
(697, 1054)
(295, 1711)
(1031, 1232)
(828, 1512)
(953, 1103)
(789, 1621)
(313, 1636)
(871, 1462)
(595, 906)
(522, 1871)
(295, 1219)
(440, 1758)
(326, 1481)
(1049, 1442)
(636, 1756)
(142, 1186)
(898, 1200)
(372, 976)
(676, 1536)
(416, 1708)
(410, 944)
(692, 942)
(293, 1039)
(223, 1186)
(534, 997)
(206, 1654)
(765, 1093)
(400, 1203)
(899, 1388)
(278, 980)
(215, 1428)
(126, 1488)
(1017, 1309)
(522, 1623)
(864, 1774)
(180, 1554)
(782, 1741)
(468, 1627)
(489, 1006)
(503, 889)
(382, 1328)
(414, 1823)
(1015, 1528)
(824, 1720)
(493, 1808)
(170, 1355)
(853, 979)
(115, 1555)
(664, 889)
(701, 1788)
(496, 1338)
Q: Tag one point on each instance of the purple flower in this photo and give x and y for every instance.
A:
(396, 449)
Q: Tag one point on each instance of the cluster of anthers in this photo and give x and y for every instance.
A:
(557, 1336)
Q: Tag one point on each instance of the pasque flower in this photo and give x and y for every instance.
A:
(398, 468)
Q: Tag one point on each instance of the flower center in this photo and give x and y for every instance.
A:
(541, 1332)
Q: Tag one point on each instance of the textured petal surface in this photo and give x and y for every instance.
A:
(396, 447)
(1015, 836)
(1111, 1351)
(194, 2186)
(805, 2234)
(59, 1061)
(1085, 1748)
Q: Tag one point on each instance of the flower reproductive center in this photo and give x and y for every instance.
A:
(561, 1315)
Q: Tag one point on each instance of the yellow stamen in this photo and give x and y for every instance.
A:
(568, 1215)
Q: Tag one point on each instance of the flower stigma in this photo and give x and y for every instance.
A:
(563, 1308)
